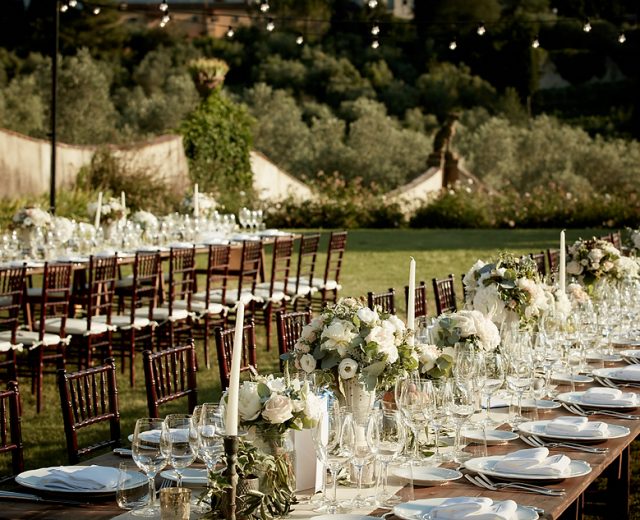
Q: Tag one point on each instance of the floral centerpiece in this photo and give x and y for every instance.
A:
(63, 228)
(111, 210)
(146, 220)
(595, 260)
(207, 204)
(508, 290)
(633, 242)
(351, 342)
(558, 303)
(31, 217)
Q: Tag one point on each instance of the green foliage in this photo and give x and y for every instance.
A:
(217, 142)
(22, 107)
(109, 174)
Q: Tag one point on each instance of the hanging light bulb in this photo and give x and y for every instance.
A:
(96, 11)
(453, 45)
(73, 3)
(536, 43)
(375, 44)
(164, 6)
(481, 30)
(587, 26)
(300, 39)
(230, 32)
(165, 20)
(270, 25)
(372, 4)
(264, 7)
(375, 30)
(64, 8)
(622, 37)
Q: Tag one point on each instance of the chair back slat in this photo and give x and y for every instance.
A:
(10, 427)
(385, 301)
(281, 264)
(335, 254)
(217, 272)
(420, 300)
(289, 327)
(182, 275)
(445, 294)
(54, 300)
(307, 255)
(89, 397)
(146, 282)
(12, 283)
(169, 375)
(224, 346)
(250, 263)
(102, 283)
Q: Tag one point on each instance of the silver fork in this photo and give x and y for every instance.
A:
(537, 442)
(166, 483)
(578, 410)
(526, 488)
(608, 382)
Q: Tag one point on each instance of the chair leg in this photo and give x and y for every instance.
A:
(205, 339)
(268, 311)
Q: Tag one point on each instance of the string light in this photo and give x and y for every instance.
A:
(64, 8)
(622, 37)
(536, 43)
(375, 44)
(264, 6)
(270, 25)
(373, 4)
(96, 11)
(73, 3)
(481, 30)
(375, 30)
(230, 32)
(453, 45)
(300, 39)
(164, 6)
(587, 26)
(165, 20)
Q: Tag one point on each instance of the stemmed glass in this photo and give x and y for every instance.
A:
(462, 407)
(210, 432)
(519, 379)
(492, 367)
(327, 441)
(353, 441)
(438, 405)
(180, 439)
(413, 405)
(386, 437)
(149, 456)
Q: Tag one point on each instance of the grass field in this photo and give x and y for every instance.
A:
(375, 260)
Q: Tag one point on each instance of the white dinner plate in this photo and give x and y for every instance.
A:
(611, 373)
(625, 342)
(493, 436)
(190, 476)
(567, 378)
(345, 517)
(576, 398)
(599, 356)
(426, 476)
(541, 404)
(416, 509)
(539, 428)
(484, 465)
(630, 353)
(33, 479)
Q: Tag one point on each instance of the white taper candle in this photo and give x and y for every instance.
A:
(196, 201)
(234, 377)
(563, 263)
(96, 222)
(411, 300)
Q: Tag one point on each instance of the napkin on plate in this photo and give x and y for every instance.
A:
(474, 509)
(576, 426)
(82, 478)
(615, 396)
(534, 461)
(630, 373)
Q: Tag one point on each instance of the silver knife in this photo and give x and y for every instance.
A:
(29, 497)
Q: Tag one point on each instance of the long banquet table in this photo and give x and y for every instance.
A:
(615, 464)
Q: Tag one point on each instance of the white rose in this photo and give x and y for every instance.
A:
(595, 255)
(301, 346)
(464, 321)
(487, 301)
(487, 332)
(427, 356)
(347, 368)
(275, 384)
(607, 265)
(367, 316)
(313, 407)
(307, 363)
(383, 336)
(278, 409)
(338, 336)
(397, 323)
(574, 267)
(249, 404)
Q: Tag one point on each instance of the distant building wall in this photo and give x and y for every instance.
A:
(271, 183)
(25, 163)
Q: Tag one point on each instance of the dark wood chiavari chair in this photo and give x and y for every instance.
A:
(385, 301)
(289, 327)
(224, 346)
(329, 285)
(300, 286)
(444, 291)
(541, 262)
(420, 302)
(12, 281)
(10, 428)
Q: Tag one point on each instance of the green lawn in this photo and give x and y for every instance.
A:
(375, 260)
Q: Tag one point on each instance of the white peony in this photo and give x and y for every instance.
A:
(338, 336)
(368, 316)
(464, 321)
(313, 406)
(347, 368)
(307, 363)
(278, 409)
(574, 268)
(607, 265)
(595, 255)
(384, 337)
(486, 331)
(275, 384)
(627, 267)
(397, 323)
(427, 356)
(249, 404)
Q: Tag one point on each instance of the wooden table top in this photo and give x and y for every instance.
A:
(553, 506)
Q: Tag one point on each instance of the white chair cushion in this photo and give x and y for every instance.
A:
(303, 289)
(36, 292)
(123, 322)
(231, 298)
(6, 346)
(199, 307)
(331, 285)
(125, 282)
(161, 314)
(31, 340)
(277, 296)
(77, 326)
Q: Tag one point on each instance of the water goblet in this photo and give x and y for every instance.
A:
(413, 406)
(150, 457)
(180, 440)
(462, 408)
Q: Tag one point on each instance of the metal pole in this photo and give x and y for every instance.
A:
(54, 96)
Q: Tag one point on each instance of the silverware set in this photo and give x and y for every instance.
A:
(611, 384)
(485, 482)
(537, 442)
(578, 410)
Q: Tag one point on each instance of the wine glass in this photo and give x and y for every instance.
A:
(327, 441)
(438, 404)
(354, 441)
(149, 456)
(492, 367)
(180, 439)
(519, 380)
(462, 407)
(386, 437)
(210, 431)
(412, 404)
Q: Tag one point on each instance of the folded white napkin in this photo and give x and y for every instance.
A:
(630, 373)
(496, 402)
(599, 395)
(82, 478)
(534, 461)
(576, 426)
(474, 509)
(181, 245)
